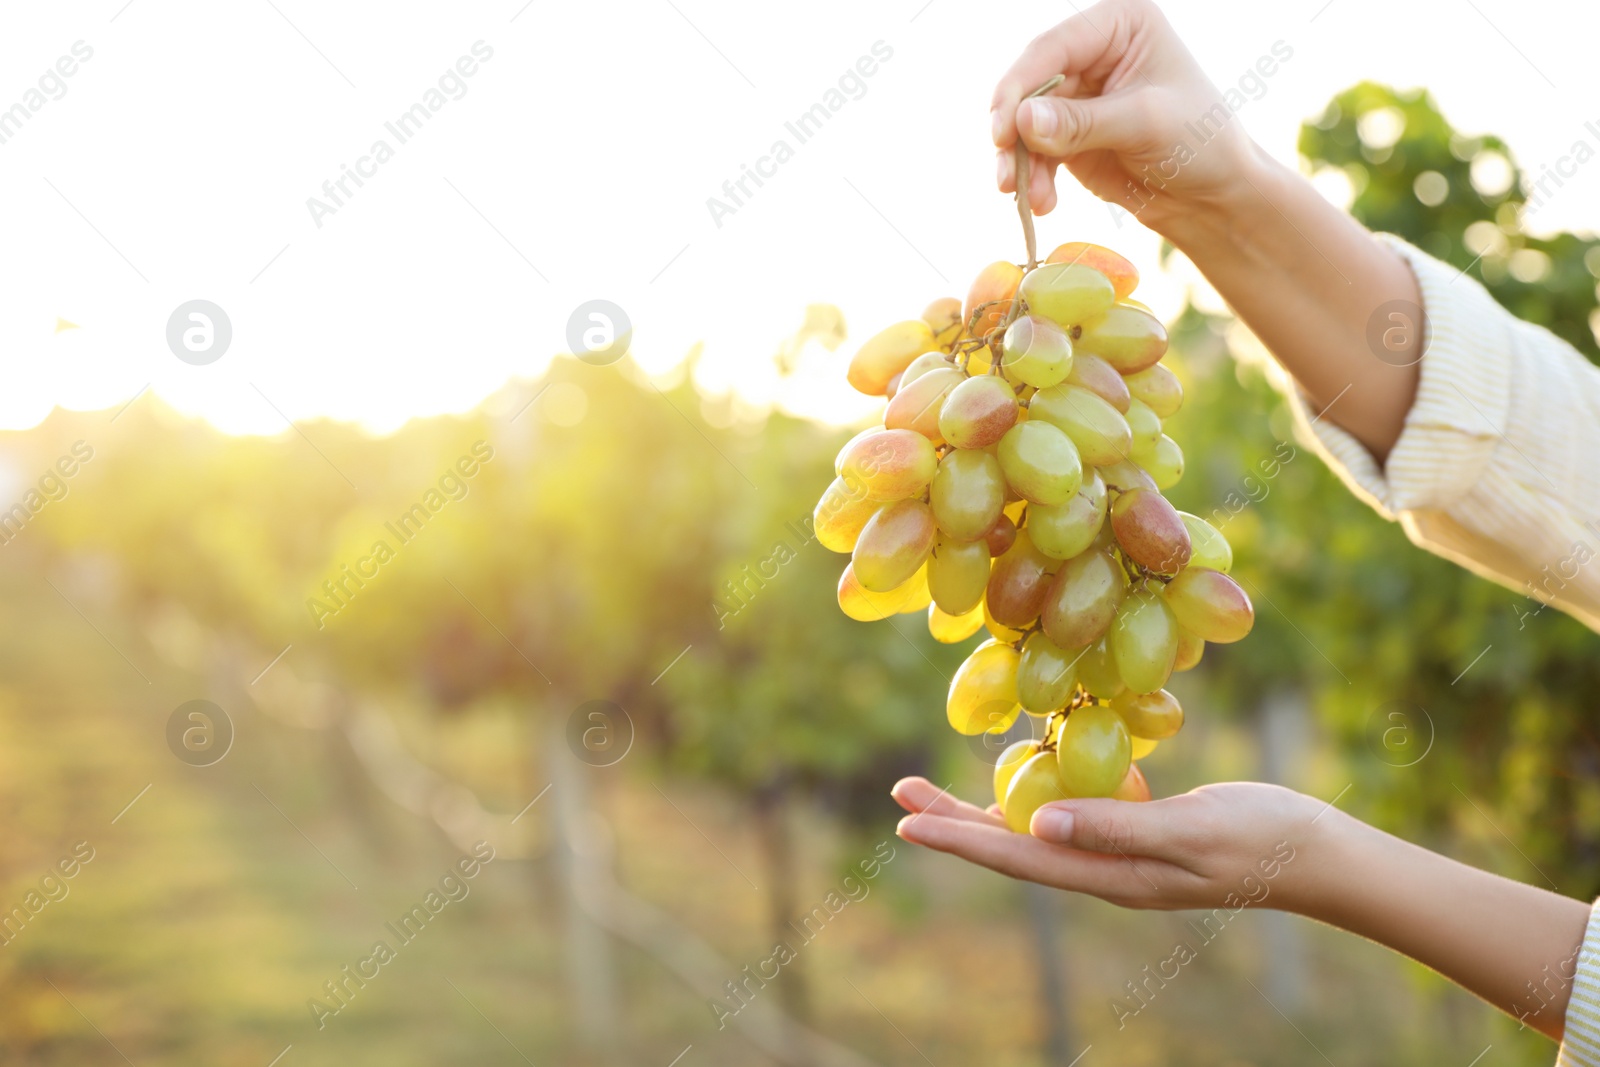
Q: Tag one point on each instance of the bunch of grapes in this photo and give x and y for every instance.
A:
(1016, 485)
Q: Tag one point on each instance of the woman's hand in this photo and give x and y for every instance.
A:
(1124, 120)
(1189, 851)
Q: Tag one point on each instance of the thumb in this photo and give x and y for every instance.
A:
(1058, 126)
(1119, 827)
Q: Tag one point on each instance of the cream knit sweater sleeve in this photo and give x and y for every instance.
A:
(1497, 469)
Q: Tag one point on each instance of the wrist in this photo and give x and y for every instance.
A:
(1204, 222)
(1325, 874)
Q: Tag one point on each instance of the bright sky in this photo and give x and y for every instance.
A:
(178, 163)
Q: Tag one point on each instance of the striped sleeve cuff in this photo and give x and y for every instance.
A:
(1462, 403)
(1580, 1047)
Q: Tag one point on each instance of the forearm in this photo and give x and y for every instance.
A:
(1308, 280)
(1512, 944)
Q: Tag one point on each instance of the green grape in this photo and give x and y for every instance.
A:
(1158, 388)
(1046, 676)
(958, 572)
(1066, 530)
(1208, 547)
(983, 694)
(1093, 751)
(1097, 428)
(889, 464)
(1144, 641)
(1210, 605)
(893, 544)
(916, 406)
(978, 412)
(1125, 474)
(1128, 338)
(1164, 461)
(1040, 463)
(1033, 785)
(840, 515)
(1083, 598)
(1006, 767)
(1150, 716)
(1149, 530)
(1190, 649)
(923, 364)
(950, 629)
(1036, 352)
(917, 595)
(1101, 379)
(1145, 426)
(1017, 584)
(1097, 670)
(1066, 293)
(967, 494)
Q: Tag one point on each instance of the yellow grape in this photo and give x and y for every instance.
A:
(917, 404)
(1158, 388)
(1036, 352)
(1095, 427)
(1034, 784)
(967, 494)
(1097, 670)
(995, 285)
(1101, 379)
(863, 605)
(1046, 676)
(1066, 530)
(1134, 787)
(950, 629)
(1142, 747)
(983, 693)
(1144, 641)
(978, 412)
(1040, 463)
(1126, 337)
(1208, 548)
(958, 573)
(1144, 425)
(1210, 605)
(1149, 531)
(893, 544)
(889, 464)
(943, 316)
(887, 353)
(840, 515)
(1190, 649)
(1017, 584)
(838, 460)
(916, 592)
(1150, 716)
(1005, 768)
(1126, 474)
(1066, 293)
(1093, 751)
(1164, 461)
(1083, 598)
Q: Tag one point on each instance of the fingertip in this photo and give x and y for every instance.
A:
(1004, 168)
(1052, 822)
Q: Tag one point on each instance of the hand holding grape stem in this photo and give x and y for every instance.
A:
(1305, 277)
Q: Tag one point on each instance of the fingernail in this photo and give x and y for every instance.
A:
(997, 125)
(1044, 118)
(1052, 824)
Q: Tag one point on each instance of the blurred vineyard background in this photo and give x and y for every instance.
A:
(635, 543)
